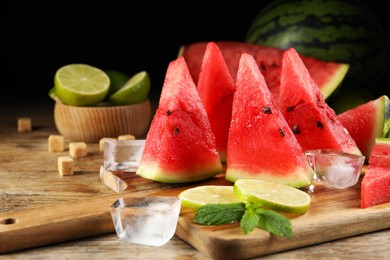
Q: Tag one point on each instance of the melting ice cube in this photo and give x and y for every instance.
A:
(335, 168)
(123, 155)
(149, 220)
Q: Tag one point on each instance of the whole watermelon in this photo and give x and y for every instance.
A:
(345, 31)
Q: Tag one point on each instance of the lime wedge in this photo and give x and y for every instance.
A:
(81, 85)
(117, 80)
(134, 91)
(273, 196)
(199, 196)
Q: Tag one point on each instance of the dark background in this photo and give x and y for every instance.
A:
(129, 36)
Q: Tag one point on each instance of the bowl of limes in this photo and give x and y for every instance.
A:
(91, 103)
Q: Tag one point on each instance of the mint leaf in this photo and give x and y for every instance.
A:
(274, 222)
(250, 219)
(217, 214)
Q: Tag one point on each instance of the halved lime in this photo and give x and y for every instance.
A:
(273, 196)
(134, 91)
(81, 84)
(117, 80)
(199, 196)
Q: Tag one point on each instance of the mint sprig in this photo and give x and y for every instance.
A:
(249, 215)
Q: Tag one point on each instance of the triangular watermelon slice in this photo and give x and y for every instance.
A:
(327, 75)
(313, 122)
(261, 145)
(367, 122)
(180, 145)
(216, 89)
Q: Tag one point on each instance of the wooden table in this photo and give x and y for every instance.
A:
(29, 179)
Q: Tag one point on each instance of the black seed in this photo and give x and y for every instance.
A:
(290, 108)
(267, 110)
(296, 130)
(281, 132)
(168, 113)
(320, 125)
(177, 131)
(274, 65)
(262, 66)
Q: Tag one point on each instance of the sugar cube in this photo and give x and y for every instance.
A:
(56, 143)
(77, 149)
(24, 124)
(65, 165)
(126, 137)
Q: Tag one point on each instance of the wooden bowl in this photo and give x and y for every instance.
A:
(90, 124)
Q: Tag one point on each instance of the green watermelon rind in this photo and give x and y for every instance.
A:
(335, 81)
(152, 171)
(299, 178)
(386, 117)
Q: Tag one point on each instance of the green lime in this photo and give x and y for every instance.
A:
(81, 84)
(117, 80)
(134, 91)
(199, 196)
(273, 196)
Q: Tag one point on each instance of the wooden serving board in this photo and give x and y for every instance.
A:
(334, 214)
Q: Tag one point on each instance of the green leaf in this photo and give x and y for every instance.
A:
(274, 222)
(217, 214)
(250, 219)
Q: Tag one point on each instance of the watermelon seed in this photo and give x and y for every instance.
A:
(290, 108)
(296, 130)
(262, 66)
(281, 132)
(320, 125)
(267, 110)
(274, 65)
(168, 113)
(177, 131)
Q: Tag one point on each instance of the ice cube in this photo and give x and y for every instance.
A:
(148, 220)
(123, 155)
(335, 168)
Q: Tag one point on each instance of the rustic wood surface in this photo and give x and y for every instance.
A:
(30, 180)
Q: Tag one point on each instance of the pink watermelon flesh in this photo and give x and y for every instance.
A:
(327, 75)
(375, 186)
(367, 122)
(216, 89)
(380, 153)
(261, 145)
(313, 122)
(180, 145)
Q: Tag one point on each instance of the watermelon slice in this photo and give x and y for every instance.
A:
(367, 122)
(216, 89)
(327, 75)
(375, 186)
(380, 153)
(261, 145)
(180, 145)
(313, 122)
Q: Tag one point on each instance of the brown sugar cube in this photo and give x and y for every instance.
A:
(77, 149)
(103, 140)
(126, 137)
(24, 124)
(56, 143)
(65, 165)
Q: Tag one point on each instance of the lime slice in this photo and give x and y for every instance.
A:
(199, 196)
(273, 196)
(134, 91)
(81, 85)
(117, 80)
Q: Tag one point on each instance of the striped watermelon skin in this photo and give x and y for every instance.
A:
(329, 30)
